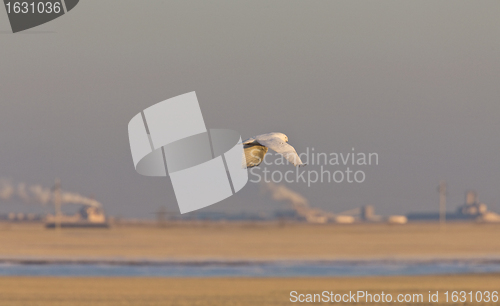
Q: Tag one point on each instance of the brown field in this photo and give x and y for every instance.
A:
(239, 241)
(254, 241)
(17, 291)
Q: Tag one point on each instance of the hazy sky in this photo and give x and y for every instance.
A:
(417, 82)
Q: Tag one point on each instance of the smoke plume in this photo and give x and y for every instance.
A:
(299, 203)
(282, 193)
(41, 195)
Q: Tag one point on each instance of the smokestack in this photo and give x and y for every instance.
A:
(442, 203)
(471, 197)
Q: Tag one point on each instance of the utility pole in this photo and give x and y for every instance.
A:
(442, 203)
(57, 203)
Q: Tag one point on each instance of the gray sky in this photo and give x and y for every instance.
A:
(416, 82)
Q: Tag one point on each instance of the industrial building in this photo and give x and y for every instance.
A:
(471, 210)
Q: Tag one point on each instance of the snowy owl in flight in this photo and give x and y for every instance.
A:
(255, 149)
